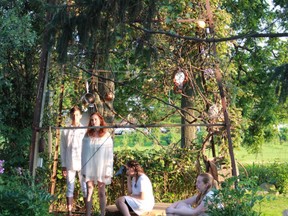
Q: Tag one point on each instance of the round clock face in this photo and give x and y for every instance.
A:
(179, 77)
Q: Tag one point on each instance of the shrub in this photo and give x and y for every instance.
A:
(236, 200)
(274, 173)
(169, 169)
(20, 196)
(283, 134)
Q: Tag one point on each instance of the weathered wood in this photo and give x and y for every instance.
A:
(158, 210)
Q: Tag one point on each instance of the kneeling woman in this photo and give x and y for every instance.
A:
(194, 205)
(140, 196)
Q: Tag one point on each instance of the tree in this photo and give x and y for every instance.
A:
(155, 31)
(18, 63)
(258, 63)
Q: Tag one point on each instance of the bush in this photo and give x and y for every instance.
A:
(236, 200)
(283, 134)
(20, 196)
(274, 173)
(169, 169)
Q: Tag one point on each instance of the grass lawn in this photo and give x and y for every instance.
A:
(269, 153)
(273, 205)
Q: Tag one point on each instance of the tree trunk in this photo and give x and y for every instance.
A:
(188, 133)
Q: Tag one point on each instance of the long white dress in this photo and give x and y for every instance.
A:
(97, 159)
(143, 185)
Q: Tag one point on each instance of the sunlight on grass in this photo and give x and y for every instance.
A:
(273, 205)
(269, 153)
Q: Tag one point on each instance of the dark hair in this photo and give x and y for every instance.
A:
(134, 164)
(137, 168)
(208, 179)
(74, 109)
(101, 131)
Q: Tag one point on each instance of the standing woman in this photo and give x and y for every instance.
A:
(97, 160)
(140, 196)
(71, 145)
(195, 205)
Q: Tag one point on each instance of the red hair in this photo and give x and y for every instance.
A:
(101, 131)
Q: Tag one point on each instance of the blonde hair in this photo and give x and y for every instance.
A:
(208, 179)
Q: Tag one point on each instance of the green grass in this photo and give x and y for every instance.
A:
(269, 153)
(273, 205)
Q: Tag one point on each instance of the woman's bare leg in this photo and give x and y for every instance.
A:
(122, 207)
(102, 197)
(90, 188)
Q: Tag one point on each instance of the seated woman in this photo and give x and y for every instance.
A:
(140, 196)
(194, 205)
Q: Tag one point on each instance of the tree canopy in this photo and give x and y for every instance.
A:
(133, 48)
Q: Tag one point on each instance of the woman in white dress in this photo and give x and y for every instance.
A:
(97, 160)
(195, 205)
(140, 196)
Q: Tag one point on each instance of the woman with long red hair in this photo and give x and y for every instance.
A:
(97, 160)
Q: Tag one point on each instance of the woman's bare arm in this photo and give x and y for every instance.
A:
(186, 210)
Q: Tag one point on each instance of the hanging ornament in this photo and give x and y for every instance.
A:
(87, 99)
(201, 23)
(179, 80)
(213, 111)
(209, 73)
(109, 96)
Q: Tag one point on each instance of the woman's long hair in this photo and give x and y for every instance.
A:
(209, 180)
(137, 168)
(134, 164)
(101, 131)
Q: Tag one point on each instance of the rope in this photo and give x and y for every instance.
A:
(95, 152)
(135, 126)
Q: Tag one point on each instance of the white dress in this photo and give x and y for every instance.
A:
(97, 159)
(141, 206)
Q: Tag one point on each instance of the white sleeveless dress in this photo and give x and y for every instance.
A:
(97, 159)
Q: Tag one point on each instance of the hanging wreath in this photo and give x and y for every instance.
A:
(180, 77)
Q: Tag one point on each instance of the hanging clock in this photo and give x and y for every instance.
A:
(180, 78)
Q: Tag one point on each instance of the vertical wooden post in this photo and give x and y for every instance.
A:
(38, 111)
(222, 94)
(49, 142)
(56, 147)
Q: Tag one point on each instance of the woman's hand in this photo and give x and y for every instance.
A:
(64, 171)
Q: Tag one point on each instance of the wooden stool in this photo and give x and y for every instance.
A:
(158, 210)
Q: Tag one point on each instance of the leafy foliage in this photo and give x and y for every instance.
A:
(18, 75)
(259, 64)
(19, 196)
(274, 173)
(233, 200)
